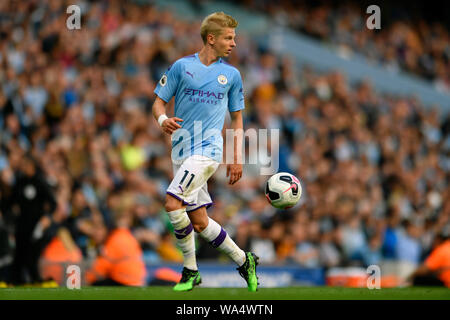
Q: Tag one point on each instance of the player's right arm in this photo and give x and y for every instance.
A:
(168, 125)
(165, 90)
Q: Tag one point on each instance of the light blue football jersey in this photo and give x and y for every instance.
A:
(203, 94)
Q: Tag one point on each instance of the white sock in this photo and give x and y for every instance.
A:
(183, 230)
(218, 238)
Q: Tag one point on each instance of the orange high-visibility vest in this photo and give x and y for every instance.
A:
(57, 255)
(121, 260)
(439, 261)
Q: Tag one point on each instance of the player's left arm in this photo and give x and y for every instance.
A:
(234, 170)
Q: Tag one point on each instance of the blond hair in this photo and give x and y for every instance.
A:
(215, 22)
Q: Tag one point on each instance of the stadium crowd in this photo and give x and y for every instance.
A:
(374, 168)
(407, 41)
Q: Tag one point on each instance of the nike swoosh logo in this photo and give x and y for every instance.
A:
(293, 186)
(181, 233)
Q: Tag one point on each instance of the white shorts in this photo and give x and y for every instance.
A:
(190, 181)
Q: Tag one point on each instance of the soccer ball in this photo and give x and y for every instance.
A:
(283, 190)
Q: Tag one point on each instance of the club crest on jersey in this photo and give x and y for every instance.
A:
(222, 79)
(163, 80)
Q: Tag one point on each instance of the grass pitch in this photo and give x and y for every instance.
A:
(166, 293)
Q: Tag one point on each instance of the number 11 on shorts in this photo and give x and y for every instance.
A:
(186, 172)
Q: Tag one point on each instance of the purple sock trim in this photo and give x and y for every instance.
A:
(208, 205)
(177, 197)
(220, 239)
(181, 233)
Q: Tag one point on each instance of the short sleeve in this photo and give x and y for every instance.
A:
(167, 85)
(236, 94)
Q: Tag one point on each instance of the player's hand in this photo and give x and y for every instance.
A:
(170, 125)
(234, 171)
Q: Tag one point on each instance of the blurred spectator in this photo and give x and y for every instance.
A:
(6, 253)
(260, 242)
(148, 228)
(391, 237)
(121, 260)
(329, 253)
(373, 255)
(61, 252)
(33, 202)
(353, 240)
(408, 247)
(306, 252)
(435, 271)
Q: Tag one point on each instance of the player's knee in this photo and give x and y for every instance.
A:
(171, 207)
(199, 226)
(199, 219)
(172, 204)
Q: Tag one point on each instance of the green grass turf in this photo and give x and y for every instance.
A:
(166, 293)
